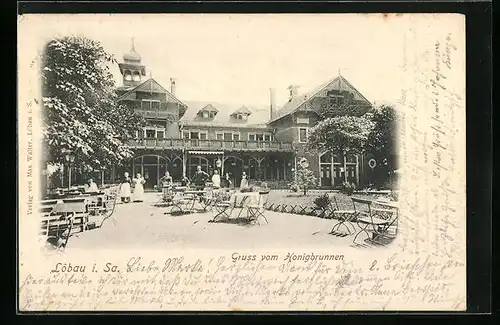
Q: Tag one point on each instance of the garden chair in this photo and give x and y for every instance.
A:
(256, 210)
(222, 205)
(109, 207)
(386, 212)
(183, 204)
(55, 227)
(344, 217)
(372, 225)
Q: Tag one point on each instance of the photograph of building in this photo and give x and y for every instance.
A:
(263, 142)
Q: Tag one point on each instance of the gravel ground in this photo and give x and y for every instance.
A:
(142, 225)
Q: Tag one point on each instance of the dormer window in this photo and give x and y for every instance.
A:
(241, 114)
(242, 117)
(208, 112)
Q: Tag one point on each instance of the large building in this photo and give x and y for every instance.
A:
(263, 142)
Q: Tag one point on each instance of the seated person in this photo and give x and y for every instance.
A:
(91, 187)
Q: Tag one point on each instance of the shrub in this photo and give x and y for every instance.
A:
(322, 202)
(348, 188)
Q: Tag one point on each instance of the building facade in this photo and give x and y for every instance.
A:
(265, 143)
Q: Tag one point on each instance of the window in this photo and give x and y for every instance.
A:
(206, 114)
(236, 137)
(228, 136)
(302, 135)
(302, 120)
(160, 134)
(239, 116)
(150, 134)
(259, 137)
(185, 134)
(128, 76)
(219, 136)
(137, 76)
(150, 104)
(194, 135)
(202, 136)
(211, 115)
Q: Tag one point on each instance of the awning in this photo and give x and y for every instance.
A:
(206, 152)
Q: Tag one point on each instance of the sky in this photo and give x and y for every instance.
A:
(237, 58)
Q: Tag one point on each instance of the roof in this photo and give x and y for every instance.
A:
(209, 108)
(242, 110)
(151, 85)
(338, 82)
(257, 119)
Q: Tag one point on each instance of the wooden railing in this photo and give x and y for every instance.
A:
(211, 144)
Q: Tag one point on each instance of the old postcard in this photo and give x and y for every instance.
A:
(241, 162)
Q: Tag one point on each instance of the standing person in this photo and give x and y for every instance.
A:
(199, 178)
(216, 179)
(229, 183)
(125, 188)
(184, 180)
(166, 184)
(138, 188)
(166, 180)
(244, 181)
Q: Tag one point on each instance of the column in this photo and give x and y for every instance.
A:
(332, 171)
(295, 167)
(184, 158)
(142, 167)
(222, 166)
(345, 167)
(158, 170)
(284, 168)
(113, 171)
(357, 170)
(69, 177)
(61, 173)
(102, 178)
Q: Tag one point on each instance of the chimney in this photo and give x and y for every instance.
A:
(272, 105)
(172, 86)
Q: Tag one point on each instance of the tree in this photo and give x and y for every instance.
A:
(305, 177)
(382, 140)
(81, 115)
(347, 134)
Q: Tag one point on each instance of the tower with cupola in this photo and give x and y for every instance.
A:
(132, 70)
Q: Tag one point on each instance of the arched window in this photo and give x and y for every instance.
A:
(127, 75)
(136, 76)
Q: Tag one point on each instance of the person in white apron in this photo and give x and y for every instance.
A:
(244, 181)
(125, 188)
(138, 195)
(216, 179)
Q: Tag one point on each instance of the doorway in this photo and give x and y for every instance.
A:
(234, 166)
